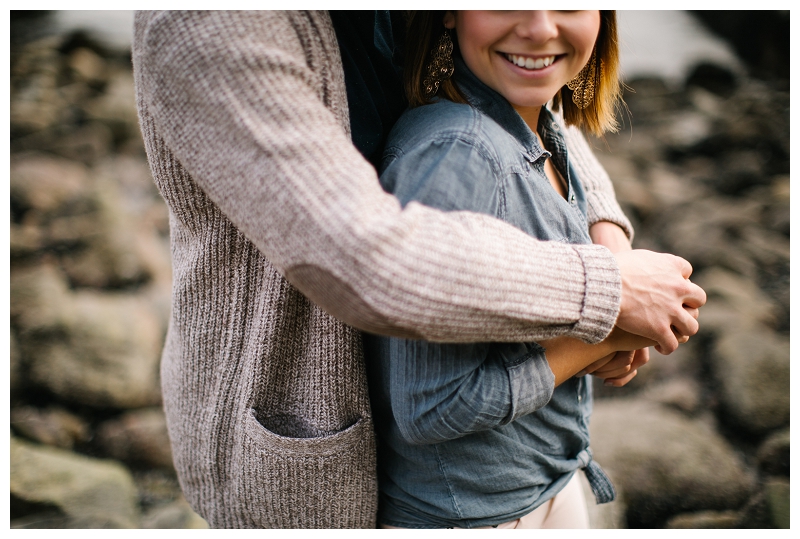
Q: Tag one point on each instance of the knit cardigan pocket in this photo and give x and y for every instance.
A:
(316, 482)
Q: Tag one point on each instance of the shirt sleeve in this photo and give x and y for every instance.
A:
(441, 392)
(239, 100)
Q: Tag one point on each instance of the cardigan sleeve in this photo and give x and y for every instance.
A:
(242, 101)
(601, 201)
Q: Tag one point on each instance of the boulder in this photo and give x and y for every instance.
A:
(50, 426)
(40, 301)
(176, 515)
(773, 453)
(45, 184)
(751, 364)
(107, 354)
(83, 491)
(16, 376)
(734, 294)
(707, 232)
(138, 437)
(681, 393)
(86, 347)
(705, 520)
(665, 463)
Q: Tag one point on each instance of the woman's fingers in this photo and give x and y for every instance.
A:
(619, 382)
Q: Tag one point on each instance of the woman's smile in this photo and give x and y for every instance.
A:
(525, 56)
(528, 62)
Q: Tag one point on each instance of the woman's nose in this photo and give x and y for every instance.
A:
(537, 26)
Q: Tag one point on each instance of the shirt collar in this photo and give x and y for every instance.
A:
(494, 105)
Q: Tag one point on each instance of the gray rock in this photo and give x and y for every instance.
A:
(629, 186)
(682, 394)
(16, 378)
(665, 463)
(139, 437)
(95, 492)
(671, 189)
(751, 364)
(744, 302)
(45, 184)
(113, 251)
(87, 65)
(92, 348)
(687, 128)
(108, 354)
(773, 454)
(705, 520)
(51, 426)
(36, 102)
(177, 515)
(118, 101)
(706, 232)
(39, 301)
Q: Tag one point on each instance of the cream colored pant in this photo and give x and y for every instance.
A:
(566, 510)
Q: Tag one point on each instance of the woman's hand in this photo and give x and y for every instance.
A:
(619, 368)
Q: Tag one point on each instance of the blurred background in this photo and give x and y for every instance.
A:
(699, 439)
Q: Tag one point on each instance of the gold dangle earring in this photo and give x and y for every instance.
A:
(582, 85)
(441, 67)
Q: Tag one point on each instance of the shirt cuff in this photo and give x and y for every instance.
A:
(532, 383)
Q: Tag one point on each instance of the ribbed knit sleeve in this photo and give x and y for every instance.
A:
(237, 98)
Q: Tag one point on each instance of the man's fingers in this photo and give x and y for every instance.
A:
(685, 267)
(694, 313)
(667, 342)
(682, 339)
(684, 324)
(694, 296)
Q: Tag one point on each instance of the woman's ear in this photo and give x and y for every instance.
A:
(449, 19)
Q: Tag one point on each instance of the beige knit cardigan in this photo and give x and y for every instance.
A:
(283, 242)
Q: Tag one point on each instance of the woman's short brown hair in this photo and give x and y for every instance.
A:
(425, 28)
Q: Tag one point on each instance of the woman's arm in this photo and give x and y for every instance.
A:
(568, 357)
(441, 392)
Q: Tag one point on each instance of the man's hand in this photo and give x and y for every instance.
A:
(658, 300)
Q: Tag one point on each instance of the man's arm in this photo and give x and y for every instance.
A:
(601, 202)
(238, 103)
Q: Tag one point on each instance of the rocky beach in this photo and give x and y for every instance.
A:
(699, 439)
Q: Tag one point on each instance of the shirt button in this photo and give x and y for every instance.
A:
(580, 398)
(555, 126)
(572, 198)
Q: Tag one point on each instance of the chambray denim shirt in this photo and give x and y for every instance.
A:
(475, 434)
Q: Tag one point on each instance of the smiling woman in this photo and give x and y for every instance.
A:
(508, 419)
(525, 57)
(528, 60)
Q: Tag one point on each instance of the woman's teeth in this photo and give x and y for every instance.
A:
(530, 63)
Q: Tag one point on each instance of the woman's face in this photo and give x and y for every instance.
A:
(526, 56)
